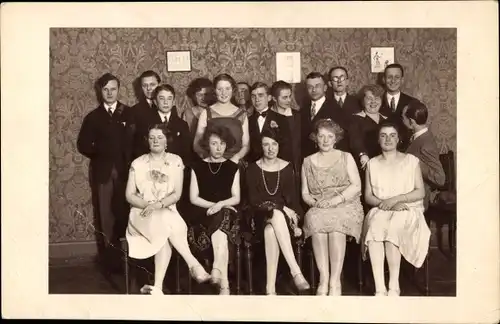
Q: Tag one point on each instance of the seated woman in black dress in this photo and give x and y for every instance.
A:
(275, 209)
(214, 191)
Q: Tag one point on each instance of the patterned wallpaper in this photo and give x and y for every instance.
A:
(78, 56)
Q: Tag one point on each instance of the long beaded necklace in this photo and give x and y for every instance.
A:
(265, 182)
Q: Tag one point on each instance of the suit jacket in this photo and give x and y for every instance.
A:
(397, 116)
(424, 147)
(329, 109)
(285, 145)
(364, 136)
(104, 139)
(350, 106)
(179, 142)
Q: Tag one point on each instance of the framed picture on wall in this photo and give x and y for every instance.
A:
(380, 57)
(288, 67)
(178, 61)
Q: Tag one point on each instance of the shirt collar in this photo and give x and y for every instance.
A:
(162, 115)
(319, 102)
(420, 133)
(363, 114)
(396, 97)
(288, 111)
(113, 106)
(342, 96)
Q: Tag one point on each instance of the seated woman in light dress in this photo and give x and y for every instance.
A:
(331, 186)
(154, 187)
(275, 210)
(395, 225)
(214, 193)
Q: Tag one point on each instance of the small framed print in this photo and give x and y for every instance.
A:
(380, 57)
(178, 61)
(288, 67)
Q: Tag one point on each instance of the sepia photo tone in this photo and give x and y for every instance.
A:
(152, 152)
(80, 56)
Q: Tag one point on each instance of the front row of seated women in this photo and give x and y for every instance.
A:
(331, 187)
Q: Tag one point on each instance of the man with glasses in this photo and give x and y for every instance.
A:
(318, 107)
(344, 104)
(339, 81)
(394, 100)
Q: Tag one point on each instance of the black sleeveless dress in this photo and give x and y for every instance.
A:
(214, 183)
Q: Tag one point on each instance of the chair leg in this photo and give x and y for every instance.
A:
(360, 272)
(190, 284)
(299, 255)
(125, 258)
(238, 269)
(312, 269)
(451, 236)
(426, 269)
(249, 268)
(178, 273)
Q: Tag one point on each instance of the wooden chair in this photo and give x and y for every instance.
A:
(444, 209)
(127, 265)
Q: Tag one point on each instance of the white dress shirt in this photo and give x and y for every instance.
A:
(163, 115)
(396, 99)
(112, 107)
(319, 103)
(260, 119)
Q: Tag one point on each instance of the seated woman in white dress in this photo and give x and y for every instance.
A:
(395, 225)
(154, 186)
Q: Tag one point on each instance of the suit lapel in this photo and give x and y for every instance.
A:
(270, 116)
(323, 111)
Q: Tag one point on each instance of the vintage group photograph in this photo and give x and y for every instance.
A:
(253, 161)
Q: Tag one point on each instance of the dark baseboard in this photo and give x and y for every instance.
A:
(67, 250)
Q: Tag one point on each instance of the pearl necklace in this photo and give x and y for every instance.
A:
(264, 179)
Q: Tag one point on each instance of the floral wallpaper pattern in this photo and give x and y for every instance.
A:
(78, 56)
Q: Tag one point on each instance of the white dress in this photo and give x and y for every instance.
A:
(405, 229)
(147, 235)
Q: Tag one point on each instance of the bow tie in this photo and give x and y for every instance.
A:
(262, 114)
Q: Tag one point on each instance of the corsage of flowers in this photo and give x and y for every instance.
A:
(273, 124)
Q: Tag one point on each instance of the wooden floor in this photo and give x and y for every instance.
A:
(81, 275)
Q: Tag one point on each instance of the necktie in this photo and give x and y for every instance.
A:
(313, 110)
(341, 102)
(110, 111)
(393, 104)
(165, 119)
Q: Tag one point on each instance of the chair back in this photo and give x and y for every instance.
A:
(448, 162)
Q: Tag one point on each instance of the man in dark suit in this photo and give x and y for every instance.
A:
(142, 112)
(319, 107)
(104, 140)
(394, 100)
(343, 101)
(423, 146)
(264, 118)
(179, 141)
